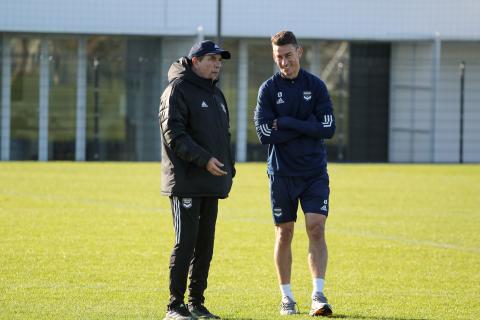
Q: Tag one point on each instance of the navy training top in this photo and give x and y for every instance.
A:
(304, 114)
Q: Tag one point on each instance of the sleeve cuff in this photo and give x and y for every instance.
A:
(203, 160)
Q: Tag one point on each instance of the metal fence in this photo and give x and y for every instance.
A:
(96, 98)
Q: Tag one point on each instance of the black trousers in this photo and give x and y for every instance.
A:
(194, 223)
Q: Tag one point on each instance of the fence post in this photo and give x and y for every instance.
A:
(340, 122)
(462, 93)
(96, 109)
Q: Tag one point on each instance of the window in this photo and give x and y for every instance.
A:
(25, 52)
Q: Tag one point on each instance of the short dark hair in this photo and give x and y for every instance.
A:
(284, 37)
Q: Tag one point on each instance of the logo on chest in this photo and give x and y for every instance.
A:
(280, 99)
(204, 104)
(307, 95)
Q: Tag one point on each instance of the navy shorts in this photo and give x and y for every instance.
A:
(286, 192)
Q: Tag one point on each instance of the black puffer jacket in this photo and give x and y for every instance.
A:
(194, 124)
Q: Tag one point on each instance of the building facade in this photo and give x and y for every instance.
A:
(82, 80)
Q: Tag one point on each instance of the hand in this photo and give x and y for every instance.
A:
(274, 125)
(214, 167)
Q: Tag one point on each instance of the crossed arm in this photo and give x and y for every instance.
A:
(323, 128)
(273, 130)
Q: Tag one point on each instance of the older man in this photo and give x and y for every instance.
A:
(197, 170)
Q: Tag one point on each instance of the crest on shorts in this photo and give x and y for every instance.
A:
(187, 203)
(277, 212)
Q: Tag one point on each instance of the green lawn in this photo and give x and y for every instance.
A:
(92, 241)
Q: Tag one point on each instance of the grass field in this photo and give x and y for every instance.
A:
(92, 241)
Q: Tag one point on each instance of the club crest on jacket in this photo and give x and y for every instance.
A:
(307, 95)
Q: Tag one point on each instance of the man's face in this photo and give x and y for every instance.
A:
(208, 67)
(287, 58)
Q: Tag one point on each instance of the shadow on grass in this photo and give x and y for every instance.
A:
(359, 316)
(339, 316)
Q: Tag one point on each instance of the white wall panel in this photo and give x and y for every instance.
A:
(340, 19)
(448, 118)
(145, 17)
(411, 102)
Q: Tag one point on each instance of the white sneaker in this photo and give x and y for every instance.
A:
(320, 306)
(288, 306)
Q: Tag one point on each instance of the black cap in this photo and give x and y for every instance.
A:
(207, 47)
